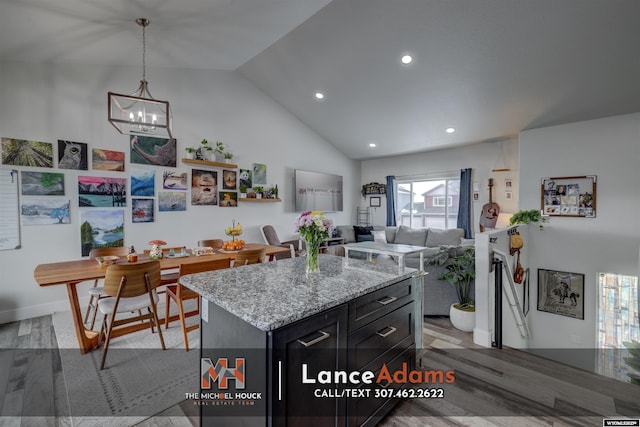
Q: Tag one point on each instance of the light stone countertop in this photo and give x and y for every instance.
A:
(271, 295)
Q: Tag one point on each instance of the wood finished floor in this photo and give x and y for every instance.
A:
(493, 387)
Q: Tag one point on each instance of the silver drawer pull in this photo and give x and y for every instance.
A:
(390, 330)
(322, 337)
(389, 300)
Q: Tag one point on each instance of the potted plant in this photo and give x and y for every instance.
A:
(528, 216)
(274, 191)
(219, 150)
(460, 272)
(633, 361)
(258, 189)
(243, 191)
(227, 156)
(198, 153)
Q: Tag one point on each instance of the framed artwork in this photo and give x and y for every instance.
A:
(102, 191)
(20, 152)
(508, 195)
(374, 202)
(228, 199)
(573, 196)
(246, 177)
(72, 155)
(101, 228)
(42, 183)
(174, 180)
(143, 182)
(204, 187)
(107, 160)
(147, 150)
(45, 211)
(476, 196)
(229, 179)
(561, 292)
(259, 174)
(141, 210)
(172, 201)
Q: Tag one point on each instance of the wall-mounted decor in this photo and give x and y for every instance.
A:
(204, 187)
(72, 155)
(374, 202)
(228, 199)
(229, 178)
(9, 211)
(259, 174)
(20, 152)
(45, 211)
(508, 195)
(42, 183)
(102, 191)
(174, 180)
(569, 196)
(560, 292)
(101, 228)
(107, 160)
(373, 188)
(148, 150)
(143, 182)
(172, 201)
(246, 177)
(141, 210)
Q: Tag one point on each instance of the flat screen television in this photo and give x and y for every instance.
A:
(316, 191)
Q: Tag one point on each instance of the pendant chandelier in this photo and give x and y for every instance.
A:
(140, 113)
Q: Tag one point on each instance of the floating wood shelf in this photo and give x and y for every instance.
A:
(250, 199)
(210, 163)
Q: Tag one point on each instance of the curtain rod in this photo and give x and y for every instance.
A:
(427, 175)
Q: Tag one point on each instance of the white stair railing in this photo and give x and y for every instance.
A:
(512, 297)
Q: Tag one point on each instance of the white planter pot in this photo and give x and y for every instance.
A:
(462, 320)
(258, 196)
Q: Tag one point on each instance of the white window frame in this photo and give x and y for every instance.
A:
(446, 177)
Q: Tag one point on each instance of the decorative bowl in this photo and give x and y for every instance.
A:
(107, 260)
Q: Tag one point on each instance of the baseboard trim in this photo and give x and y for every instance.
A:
(482, 338)
(32, 311)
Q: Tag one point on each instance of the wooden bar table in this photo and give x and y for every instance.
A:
(70, 273)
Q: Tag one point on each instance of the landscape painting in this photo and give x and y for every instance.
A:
(147, 150)
(141, 210)
(172, 201)
(72, 155)
(174, 180)
(47, 211)
(107, 160)
(101, 228)
(143, 182)
(101, 191)
(20, 152)
(42, 183)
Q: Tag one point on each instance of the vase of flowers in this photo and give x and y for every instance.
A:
(314, 228)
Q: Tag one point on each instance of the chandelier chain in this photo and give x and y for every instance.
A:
(144, 53)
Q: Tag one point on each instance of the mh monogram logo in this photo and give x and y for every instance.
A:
(221, 372)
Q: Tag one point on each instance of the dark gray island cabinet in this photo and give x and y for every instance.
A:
(282, 348)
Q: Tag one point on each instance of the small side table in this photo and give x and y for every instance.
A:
(331, 242)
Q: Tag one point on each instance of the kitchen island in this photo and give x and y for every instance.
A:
(279, 346)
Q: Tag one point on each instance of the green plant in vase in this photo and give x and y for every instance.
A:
(199, 151)
(528, 216)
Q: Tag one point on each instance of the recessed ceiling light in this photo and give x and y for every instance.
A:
(372, 145)
(450, 130)
(406, 59)
(319, 95)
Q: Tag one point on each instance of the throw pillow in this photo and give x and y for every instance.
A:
(363, 233)
(439, 237)
(411, 236)
(379, 236)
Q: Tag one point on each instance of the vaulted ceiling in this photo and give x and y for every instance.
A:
(488, 68)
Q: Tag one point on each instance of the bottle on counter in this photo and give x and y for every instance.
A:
(132, 256)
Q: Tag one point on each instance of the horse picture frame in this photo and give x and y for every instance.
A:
(561, 292)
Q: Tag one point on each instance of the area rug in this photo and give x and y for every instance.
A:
(139, 380)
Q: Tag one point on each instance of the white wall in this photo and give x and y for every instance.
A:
(482, 158)
(51, 102)
(610, 149)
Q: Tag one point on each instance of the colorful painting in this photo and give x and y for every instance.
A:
(172, 201)
(174, 180)
(20, 152)
(107, 160)
(45, 211)
(259, 174)
(42, 183)
(148, 150)
(229, 178)
(246, 177)
(101, 191)
(101, 228)
(204, 187)
(143, 182)
(141, 210)
(72, 155)
(228, 199)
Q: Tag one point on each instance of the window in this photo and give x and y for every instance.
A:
(428, 202)
(618, 319)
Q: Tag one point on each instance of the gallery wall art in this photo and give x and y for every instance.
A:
(246, 177)
(101, 191)
(44, 211)
(142, 210)
(259, 174)
(229, 179)
(172, 201)
(20, 152)
(147, 150)
(143, 182)
(107, 160)
(101, 228)
(204, 187)
(561, 292)
(174, 180)
(42, 183)
(72, 155)
(228, 199)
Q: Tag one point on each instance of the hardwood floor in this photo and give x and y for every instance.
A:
(493, 387)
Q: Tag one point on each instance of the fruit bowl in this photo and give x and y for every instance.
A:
(107, 260)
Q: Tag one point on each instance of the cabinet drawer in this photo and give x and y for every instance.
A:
(381, 337)
(371, 306)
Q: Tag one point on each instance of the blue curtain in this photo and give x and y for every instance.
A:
(464, 207)
(391, 201)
